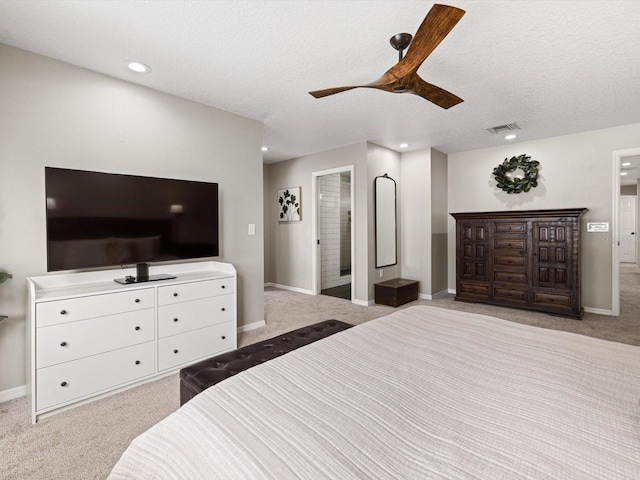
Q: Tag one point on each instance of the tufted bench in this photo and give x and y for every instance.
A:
(200, 376)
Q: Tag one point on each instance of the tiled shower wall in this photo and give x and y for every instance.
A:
(329, 187)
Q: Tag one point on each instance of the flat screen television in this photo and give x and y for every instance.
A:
(99, 219)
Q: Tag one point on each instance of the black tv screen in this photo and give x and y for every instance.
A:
(102, 219)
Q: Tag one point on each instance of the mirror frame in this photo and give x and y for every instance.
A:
(385, 214)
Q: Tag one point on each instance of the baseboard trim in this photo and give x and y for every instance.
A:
(435, 296)
(251, 326)
(13, 393)
(287, 287)
(363, 303)
(599, 311)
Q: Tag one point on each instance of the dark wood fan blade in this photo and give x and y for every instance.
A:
(330, 91)
(435, 94)
(435, 27)
(383, 83)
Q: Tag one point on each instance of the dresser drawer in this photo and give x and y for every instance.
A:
(555, 300)
(503, 260)
(510, 277)
(191, 346)
(506, 242)
(185, 292)
(186, 316)
(473, 289)
(510, 295)
(510, 227)
(69, 381)
(80, 308)
(70, 341)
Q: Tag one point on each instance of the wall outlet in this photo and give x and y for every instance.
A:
(381, 273)
(252, 229)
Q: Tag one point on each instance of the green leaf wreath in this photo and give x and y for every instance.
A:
(517, 185)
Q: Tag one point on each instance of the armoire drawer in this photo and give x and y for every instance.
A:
(185, 292)
(69, 381)
(73, 340)
(80, 308)
(183, 317)
(191, 346)
(510, 227)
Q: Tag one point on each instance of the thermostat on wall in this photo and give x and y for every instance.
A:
(598, 227)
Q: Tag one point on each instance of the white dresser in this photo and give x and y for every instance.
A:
(89, 336)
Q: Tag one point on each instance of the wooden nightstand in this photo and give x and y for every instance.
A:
(395, 292)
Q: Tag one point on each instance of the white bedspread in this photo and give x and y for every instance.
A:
(424, 393)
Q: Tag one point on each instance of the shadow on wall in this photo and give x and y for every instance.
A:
(513, 200)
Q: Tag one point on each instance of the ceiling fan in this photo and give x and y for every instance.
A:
(403, 76)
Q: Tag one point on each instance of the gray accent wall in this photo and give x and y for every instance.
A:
(55, 114)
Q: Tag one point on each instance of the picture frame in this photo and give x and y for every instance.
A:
(289, 205)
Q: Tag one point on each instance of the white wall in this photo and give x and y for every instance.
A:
(54, 114)
(576, 171)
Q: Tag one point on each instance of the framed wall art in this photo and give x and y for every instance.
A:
(289, 206)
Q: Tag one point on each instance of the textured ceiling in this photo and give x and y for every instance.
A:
(554, 67)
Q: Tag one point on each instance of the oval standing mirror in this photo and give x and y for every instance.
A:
(385, 220)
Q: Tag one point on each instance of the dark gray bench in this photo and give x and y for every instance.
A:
(200, 376)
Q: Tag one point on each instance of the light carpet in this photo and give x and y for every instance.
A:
(85, 442)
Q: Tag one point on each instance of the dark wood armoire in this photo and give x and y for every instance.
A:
(521, 259)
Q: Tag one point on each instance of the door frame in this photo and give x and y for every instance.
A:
(618, 156)
(315, 229)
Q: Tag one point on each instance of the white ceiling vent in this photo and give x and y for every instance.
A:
(503, 128)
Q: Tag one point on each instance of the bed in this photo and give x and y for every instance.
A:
(423, 393)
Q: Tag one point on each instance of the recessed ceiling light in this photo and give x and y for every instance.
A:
(626, 164)
(511, 136)
(265, 149)
(403, 145)
(623, 173)
(138, 67)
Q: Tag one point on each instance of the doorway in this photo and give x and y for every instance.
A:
(333, 232)
(626, 165)
(628, 220)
